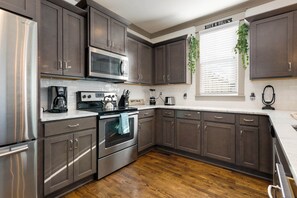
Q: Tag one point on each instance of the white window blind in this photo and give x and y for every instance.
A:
(218, 61)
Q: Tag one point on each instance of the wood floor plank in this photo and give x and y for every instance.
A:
(170, 176)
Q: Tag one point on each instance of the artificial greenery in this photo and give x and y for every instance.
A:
(242, 44)
(193, 55)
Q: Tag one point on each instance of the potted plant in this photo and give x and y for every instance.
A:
(242, 44)
(193, 54)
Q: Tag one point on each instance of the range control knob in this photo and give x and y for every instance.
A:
(84, 96)
(89, 96)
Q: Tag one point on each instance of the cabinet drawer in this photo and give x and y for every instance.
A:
(193, 115)
(168, 113)
(65, 126)
(249, 120)
(219, 117)
(146, 113)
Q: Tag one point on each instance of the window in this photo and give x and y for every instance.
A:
(219, 65)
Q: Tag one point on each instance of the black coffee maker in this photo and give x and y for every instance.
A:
(57, 99)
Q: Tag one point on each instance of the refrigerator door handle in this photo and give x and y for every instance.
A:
(15, 150)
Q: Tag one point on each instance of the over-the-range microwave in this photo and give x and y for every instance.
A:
(107, 66)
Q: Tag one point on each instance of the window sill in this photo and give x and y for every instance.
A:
(221, 98)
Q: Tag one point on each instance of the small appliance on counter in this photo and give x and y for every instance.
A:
(124, 100)
(57, 99)
(152, 97)
(169, 100)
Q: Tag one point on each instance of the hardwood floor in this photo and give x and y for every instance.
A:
(161, 175)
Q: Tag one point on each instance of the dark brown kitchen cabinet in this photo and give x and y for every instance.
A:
(219, 141)
(107, 33)
(140, 62)
(170, 63)
(188, 135)
(26, 8)
(247, 147)
(58, 154)
(159, 127)
(272, 47)
(265, 145)
(160, 64)
(146, 133)
(168, 132)
(62, 47)
(69, 152)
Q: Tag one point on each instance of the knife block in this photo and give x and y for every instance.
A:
(124, 102)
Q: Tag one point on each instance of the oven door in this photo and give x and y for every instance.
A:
(110, 140)
(107, 65)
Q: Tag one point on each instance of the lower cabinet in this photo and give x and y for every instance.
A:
(146, 133)
(68, 158)
(247, 149)
(168, 132)
(188, 135)
(219, 141)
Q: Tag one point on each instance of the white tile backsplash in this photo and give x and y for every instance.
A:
(285, 89)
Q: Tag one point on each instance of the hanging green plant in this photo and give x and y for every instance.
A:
(193, 55)
(242, 44)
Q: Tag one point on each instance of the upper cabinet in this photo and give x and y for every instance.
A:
(62, 41)
(140, 62)
(272, 47)
(107, 30)
(26, 8)
(170, 63)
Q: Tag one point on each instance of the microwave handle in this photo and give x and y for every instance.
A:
(122, 67)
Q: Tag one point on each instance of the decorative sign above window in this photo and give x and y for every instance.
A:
(218, 23)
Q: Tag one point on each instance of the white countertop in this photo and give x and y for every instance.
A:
(46, 117)
(281, 121)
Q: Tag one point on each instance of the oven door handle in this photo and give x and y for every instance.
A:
(283, 182)
(116, 115)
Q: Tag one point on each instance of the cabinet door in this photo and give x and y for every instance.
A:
(50, 48)
(118, 37)
(146, 133)
(272, 47)
(160, 64)
(247, 145)
(73, 44)
(133, 60)
(159, 127)
(219, 141)
(168, 132)
(145, 63)
(84, 154)
(58, 157)
(22, 7)
(176, 62)
(99, 29)
(188, 135)
(265, 146)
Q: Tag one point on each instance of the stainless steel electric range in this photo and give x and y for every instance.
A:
(114, 150)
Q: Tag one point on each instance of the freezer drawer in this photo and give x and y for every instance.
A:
(18, 170)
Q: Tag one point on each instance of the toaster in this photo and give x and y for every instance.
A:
(169, 100)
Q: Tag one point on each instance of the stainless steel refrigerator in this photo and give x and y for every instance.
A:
(18, 106)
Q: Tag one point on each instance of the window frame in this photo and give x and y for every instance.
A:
(241, 81)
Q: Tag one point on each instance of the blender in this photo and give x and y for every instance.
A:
(152, 97)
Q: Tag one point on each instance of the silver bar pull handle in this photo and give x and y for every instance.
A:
(188, 115)
(247, 120)
(75, 143)
(241, 132)
(60, 65)
(205, 127)
(70, 145)
(15, 150)
(218, 117)
(290, 66)
(73, 126)
(146, 113)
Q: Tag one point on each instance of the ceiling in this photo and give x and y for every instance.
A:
(156, 15)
